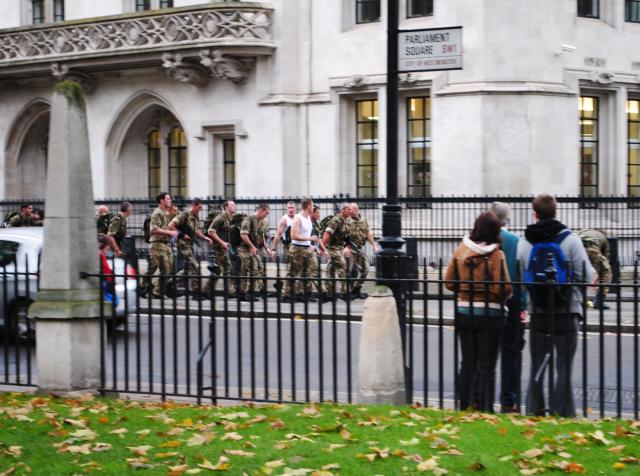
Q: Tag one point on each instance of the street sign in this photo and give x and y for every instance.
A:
(430, 49)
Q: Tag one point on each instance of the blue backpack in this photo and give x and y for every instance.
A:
(549, 265)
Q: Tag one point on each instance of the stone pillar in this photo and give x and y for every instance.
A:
(380, 366)
(67, 309)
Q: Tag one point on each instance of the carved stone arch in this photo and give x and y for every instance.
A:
(126, 172)
(25, 151)
(24, 120)
(128, 113)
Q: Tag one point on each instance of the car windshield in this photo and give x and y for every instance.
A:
(8, 251)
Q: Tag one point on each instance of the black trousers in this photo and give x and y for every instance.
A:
(511, 357)
(479, 344)
(560, 337)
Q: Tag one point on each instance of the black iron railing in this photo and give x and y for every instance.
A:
(263, 347)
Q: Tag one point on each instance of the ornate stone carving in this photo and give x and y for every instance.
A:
(595, 62)
(236, 25)
(602, 77)
(231, 68)
(183, 72)
(356, 82)
(407, 79)
(62, 71)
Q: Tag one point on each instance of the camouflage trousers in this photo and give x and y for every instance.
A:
(222, 259)
(360, 261)
(191, 267)
(161, 259)
(303, 263)
(250, 266)
(336, 267)
(600, 264)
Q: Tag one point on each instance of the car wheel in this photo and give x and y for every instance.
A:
(22, 328)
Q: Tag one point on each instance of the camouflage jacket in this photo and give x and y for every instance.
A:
(220, 225)
(22, 220)
(358, 230)
(337, 227)
(595, 239)
(159, 220)
(118, 228)
(256, 229)
(187, 218)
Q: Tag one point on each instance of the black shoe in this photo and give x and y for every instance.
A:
(278, 285)
(249, 297)
(288, 299)
(174, 294)
(345, 296)
(598, 303)
(214, 269)
(358, 294)
(327, 298)
(301, 298)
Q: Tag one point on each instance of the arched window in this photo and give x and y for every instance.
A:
(154, 154)
(177, 162)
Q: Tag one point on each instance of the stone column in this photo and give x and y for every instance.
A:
(67, 309)
(380, 366)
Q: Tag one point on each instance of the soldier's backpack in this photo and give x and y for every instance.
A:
(146, 229)
(102, 223)
(548, 264)
(209, 220)
(322, 226)
(9, 216)
(234, 229)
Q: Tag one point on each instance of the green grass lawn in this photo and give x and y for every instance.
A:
(53, 436)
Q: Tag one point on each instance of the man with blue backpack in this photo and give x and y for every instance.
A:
(555, 266)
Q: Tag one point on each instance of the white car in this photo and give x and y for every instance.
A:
(20, 250)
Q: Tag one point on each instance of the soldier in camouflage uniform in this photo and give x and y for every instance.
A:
(160, 253)
(25, 217)
(360, 233)
(252, 233)
(219, 233)
(118, 228)
(597, 247)
(188, 225)
(335, 239)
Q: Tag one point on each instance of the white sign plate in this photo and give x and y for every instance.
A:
(429, 50)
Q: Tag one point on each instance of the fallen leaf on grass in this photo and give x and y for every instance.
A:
(574, 467)
(141, 462)
(178, 470)
(15, 451)
(234, 416)
(532, 453)
(232, 436)
(616, 449)
(140, 450)
(221, 465)
(99, 447)
(84, 434)
(334, 446)
(475, 467)
(411, 442)
(245, 454)
(143, 432)
(277, 424)
(200, 439)
(529, 434)
(618, 465)
(275, 464)
(599, 437)
(169, 444)
(120, 432)
(78, 423)
(76, 449)
(169, 454)
(431, 465)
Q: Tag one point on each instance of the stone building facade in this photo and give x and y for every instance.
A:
(287, 97)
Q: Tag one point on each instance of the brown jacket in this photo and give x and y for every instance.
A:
(470, 263)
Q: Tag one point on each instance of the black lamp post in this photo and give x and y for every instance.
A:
(391, 260)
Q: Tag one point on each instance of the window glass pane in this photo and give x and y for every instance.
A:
(365, 110)
(419, 8)
(633, 110)
(166, 3)
(589, 8)
(418, 147)
(366, 147)
(366, 132)
(367, 11)
(58, 10)
(37, 11)
(143, 5)
(632, 10)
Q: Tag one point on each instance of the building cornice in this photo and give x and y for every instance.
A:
(504, 87)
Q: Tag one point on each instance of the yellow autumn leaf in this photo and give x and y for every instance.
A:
(169, 454)
(618, 466)
(169, 444)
